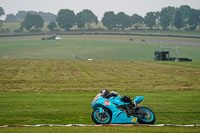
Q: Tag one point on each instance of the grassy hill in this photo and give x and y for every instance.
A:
(65, 75)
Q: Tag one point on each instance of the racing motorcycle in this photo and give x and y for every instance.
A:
(118, 110)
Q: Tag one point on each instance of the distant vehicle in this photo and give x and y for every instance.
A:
(164, 54)
(115, 110)
(53, 37)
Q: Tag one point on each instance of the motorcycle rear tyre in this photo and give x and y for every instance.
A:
(145, 121)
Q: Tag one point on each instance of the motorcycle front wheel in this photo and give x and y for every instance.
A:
(101, 118)
(147, 117)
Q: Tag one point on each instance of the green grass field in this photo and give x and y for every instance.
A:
(170, 107)
(60, 91)
(96, 47)
(41, 84)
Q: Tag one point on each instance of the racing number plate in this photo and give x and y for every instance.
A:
(134, 119)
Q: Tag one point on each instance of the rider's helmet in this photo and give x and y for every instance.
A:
(104, 92)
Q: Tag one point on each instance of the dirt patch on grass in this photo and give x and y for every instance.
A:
(4, 57)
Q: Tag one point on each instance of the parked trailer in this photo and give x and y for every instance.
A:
(164, 54)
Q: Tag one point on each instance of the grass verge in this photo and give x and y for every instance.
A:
(101, 129)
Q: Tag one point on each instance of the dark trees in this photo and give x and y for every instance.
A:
(32, 20)
(135, 18)
(66, 19)
(108, 20)
(86, 17)
(178, 20)
(79, 20)
(185, 13)
(164, 18)
(167, 16)
(1, 14)
(122, 20)
(1, 11)
(150, 19)
(51, 26)
(193, 19)
(171, 13)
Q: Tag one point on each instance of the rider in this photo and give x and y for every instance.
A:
(106, 94)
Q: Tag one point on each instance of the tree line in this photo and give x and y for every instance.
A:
(47, 17)
(168, 18)
(183, 17)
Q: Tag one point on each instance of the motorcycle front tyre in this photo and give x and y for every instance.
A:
(99, 118)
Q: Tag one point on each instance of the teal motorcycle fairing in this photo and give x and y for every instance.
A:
(118, 116)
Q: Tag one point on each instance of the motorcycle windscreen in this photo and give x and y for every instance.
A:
(138, 99)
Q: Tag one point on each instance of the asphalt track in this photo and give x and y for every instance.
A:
(85, 125)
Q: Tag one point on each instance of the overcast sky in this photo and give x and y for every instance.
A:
(130, 7)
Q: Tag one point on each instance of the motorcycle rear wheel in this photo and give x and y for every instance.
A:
(101, 118)
(149, 117)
